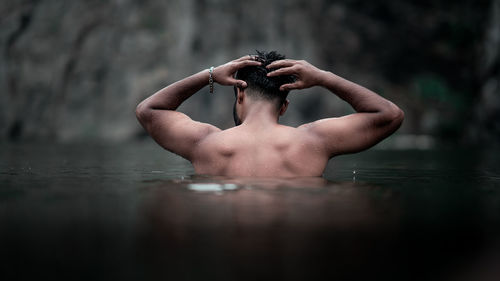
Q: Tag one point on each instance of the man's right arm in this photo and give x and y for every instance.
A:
(174, 130)
(375, 119)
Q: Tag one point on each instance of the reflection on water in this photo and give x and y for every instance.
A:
(281, 229)
(135, 212)
(298, 203)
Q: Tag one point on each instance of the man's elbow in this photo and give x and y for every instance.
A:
(396, 115)
(142, 112)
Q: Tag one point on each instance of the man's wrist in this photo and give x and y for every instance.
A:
(325, 77)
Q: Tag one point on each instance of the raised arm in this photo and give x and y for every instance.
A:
(174, 130)
(375, 119)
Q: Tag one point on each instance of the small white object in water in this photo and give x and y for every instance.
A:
(230, 186)
(206, 187)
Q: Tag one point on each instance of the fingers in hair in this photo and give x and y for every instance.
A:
(290, 86)
(238, 83)
(281, 63)
(248, 63)
(282, 71)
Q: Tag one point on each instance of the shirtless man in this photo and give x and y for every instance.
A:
(259, 146)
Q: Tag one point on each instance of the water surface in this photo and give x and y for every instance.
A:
(134, 211)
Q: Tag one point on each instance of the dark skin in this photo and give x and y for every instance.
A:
(260, 146)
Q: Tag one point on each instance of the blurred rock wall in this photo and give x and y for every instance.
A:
(75, 70)
(485, 124)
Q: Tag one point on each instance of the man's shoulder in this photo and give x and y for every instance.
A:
(218, 137)
(223, 142)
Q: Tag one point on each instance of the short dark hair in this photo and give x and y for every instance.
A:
(257, 80)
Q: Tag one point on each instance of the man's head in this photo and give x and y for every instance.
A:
(259, 85)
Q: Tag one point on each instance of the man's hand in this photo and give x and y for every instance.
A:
(307, 75)
(224, 74)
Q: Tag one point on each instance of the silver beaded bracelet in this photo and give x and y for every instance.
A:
(211, 79)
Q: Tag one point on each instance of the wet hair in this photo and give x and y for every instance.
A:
(262, 86)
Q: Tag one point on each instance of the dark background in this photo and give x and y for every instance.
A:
(73, 71)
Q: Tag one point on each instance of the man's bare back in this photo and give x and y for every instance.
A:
(276, 151)
(259, 146)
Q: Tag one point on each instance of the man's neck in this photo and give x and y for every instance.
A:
(261, 114)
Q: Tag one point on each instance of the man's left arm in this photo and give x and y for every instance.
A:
(174, 130)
